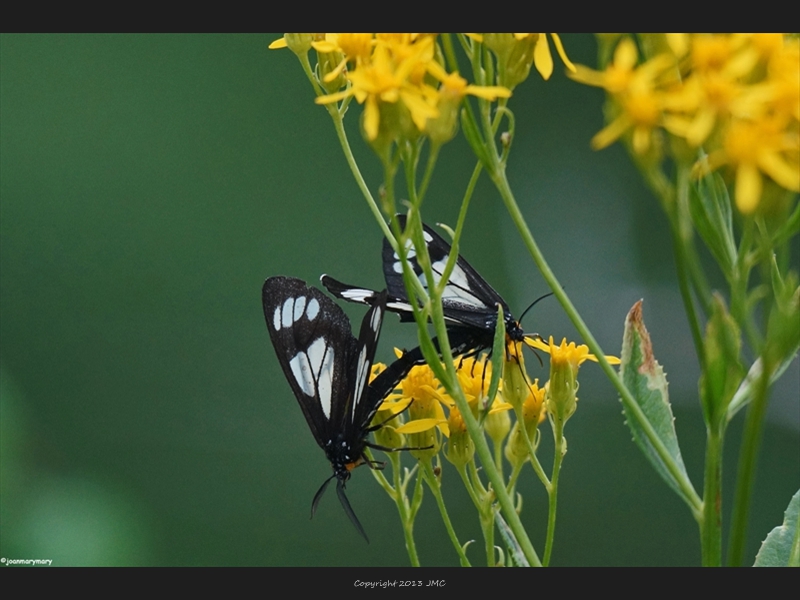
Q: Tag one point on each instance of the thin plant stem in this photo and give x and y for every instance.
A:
(711, 522)
(748, 459)
(512, 481)
(535, 464)
(433, 485)
(398, 494)
(552, 490)
(338, 125)
(483, 502)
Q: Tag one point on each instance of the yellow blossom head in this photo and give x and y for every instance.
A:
(565, 359)
(533, 413)
(515, 380)
(425, 412)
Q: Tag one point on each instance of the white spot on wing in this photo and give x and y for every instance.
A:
(376, 321)
(410, 251)
(316, 353)
(457, 289)
(313, 371)
(326, 382)
(302, 373)
(399, 306)
(361, 373)
(288, 306)
(299, 306)
(313, 309)
(276, 319)
(428, 237)
(397, 267)
(358, 295)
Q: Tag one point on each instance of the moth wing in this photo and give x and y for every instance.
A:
(467, 298)
(314, 344)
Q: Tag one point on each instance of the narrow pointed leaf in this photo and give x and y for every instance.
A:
(647, 382)
(515, 552)
(498, 355)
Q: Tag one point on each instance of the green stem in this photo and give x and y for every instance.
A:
(748, 458)
(446, 373)
(398, 494)
(537, 466)
(711, 522)
(483, 502)
(426, 178)
(681, 262)
(481, 446)
(552, 491)
(433, 484)
(406, 514)
(512, 481)
(338, 125)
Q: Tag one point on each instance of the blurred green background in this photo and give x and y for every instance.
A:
(149, 185)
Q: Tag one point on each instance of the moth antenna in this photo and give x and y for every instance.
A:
(349, 509)
(524, 312)
(318, 495)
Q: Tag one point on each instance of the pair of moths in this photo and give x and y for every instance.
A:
(328, 369)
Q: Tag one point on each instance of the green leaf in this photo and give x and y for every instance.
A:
(723, 371)
(645, 379)
(515, 553)
(498, 357)
(473, 136)
(710, 207)
(783, 325)
(782, 546)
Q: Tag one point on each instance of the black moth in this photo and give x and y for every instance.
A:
(328, 370)
(469, 303)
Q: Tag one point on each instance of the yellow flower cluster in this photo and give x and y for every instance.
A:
(400, 80)
(426, 400)
(736, 95)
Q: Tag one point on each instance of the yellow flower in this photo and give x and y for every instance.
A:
(299, 43)
(452, 90)
(533, 409)
(575, 354)
(783, 80)
(533, 414)
(425, 412)
(356, 48)
(542, 59)
(636, 92)
(392, 76)
(515, 54)
(755, 147)
(719, 65)
(565, 359)
(474, 377)
(619, 73)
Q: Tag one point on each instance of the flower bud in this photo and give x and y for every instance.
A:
(562, 388)
(460, 447)
(533, 413)
(497, 425)
(299, 43)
